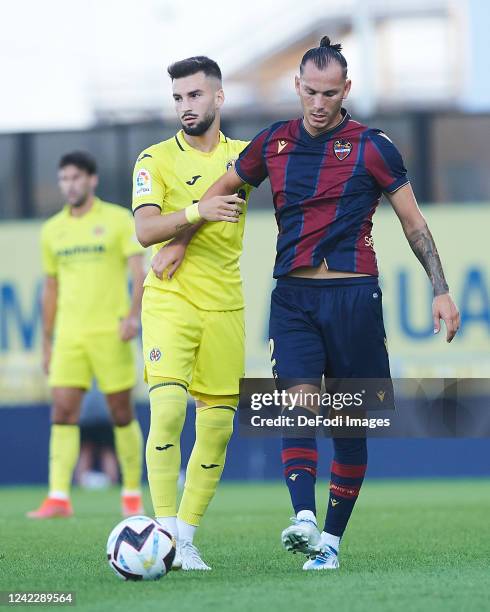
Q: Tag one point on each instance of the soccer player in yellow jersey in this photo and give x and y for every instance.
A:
(88, 323)
(193, 325)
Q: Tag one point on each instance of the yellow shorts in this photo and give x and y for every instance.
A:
(204, 348)
(104, 356)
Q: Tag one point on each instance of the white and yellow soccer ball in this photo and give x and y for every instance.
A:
(138, 548)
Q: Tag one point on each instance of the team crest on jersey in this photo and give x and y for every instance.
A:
(342, 149)
(230, 163)
(155, 354)
(142, 182)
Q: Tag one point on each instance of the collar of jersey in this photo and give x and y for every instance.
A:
(95, 208)
(185, 146)
(324, 136)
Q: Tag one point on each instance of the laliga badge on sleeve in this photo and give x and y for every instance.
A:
(142, 182)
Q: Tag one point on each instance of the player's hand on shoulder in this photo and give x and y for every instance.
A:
(444, 308)
(169, 258)
(222, 208)
(129, 328)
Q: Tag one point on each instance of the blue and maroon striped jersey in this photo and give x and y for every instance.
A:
(325, 190)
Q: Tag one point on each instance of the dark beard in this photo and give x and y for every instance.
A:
(200, 128)
(80, 202)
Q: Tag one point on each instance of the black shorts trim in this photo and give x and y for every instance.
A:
(168, 384)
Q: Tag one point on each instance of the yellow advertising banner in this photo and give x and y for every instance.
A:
(461, 234)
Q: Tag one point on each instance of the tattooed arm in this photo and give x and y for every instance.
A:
(423, 245)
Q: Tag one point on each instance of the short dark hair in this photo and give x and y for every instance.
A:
(193, 65)
(322, 55)
(81, 159)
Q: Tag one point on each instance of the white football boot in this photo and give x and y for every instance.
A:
(190, 557)
(328, 558)
(302, 536)
(177, 562)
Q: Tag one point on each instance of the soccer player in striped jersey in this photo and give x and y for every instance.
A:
(327, 174)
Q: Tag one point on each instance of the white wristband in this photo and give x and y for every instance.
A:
(192, 213)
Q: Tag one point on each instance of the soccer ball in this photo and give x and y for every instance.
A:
(139, 549)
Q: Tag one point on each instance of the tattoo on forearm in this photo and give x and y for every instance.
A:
(182, 226)
(424, 247)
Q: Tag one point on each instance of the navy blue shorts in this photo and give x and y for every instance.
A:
(330, 327)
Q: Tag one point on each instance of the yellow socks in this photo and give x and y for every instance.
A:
(64, 448)
(129, 450)
(214, 426)
(168, 403)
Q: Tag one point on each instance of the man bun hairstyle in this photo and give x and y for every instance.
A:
(81, 160)
(325, 53)
(193, 65)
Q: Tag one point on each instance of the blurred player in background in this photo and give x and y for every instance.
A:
(88, 323)
(193, 324)
(327, 174)
(97, 464)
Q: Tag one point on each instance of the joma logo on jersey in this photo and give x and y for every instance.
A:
(155, 354)
(194, 180)
(142, 157)
(342, 149)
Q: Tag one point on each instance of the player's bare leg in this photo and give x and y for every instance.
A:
(129, 450)
(64, 450)
(108, 463)
(85, 460)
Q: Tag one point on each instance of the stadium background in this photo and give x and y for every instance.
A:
(429, 96)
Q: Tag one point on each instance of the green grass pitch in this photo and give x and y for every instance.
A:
(411, 545)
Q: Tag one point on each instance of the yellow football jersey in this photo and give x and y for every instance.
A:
(173, 175)
(88, 257)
